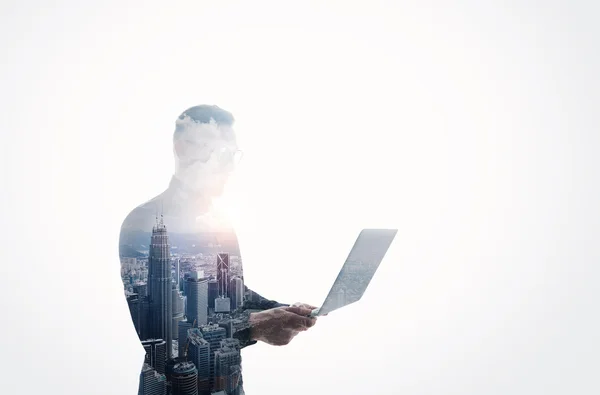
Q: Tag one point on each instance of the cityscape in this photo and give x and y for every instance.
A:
(185, 308)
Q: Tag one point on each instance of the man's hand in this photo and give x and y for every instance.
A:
(280, 325)
(308, 306)
(304, 306)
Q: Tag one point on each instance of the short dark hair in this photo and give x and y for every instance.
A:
(205, 113)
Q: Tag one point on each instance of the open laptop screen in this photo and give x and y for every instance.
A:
(358, 270)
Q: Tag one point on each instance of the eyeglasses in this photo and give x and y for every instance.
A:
(226, 156)
(223, 156)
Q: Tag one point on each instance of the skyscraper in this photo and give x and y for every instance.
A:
(223, 273)
(197, 299)
(152, 382)
(222, 305)
(177, 271)
(213, 334)
(182, 336)
(199, 354)
(140, 289)
(236, 292)
(159, 286)
(156, 354)
(227, 366)
(213, 293)
(178, 309)
(133, 301)
(184, 380)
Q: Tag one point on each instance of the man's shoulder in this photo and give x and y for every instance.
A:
(142, 217)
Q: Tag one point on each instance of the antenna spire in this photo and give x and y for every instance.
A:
(161, 211)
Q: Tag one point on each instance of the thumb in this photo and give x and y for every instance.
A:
(300, 310)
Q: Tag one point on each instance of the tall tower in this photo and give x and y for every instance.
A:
(185, 379)
(213, 334)
(197, 298)
(159, 286)
(223, 274)
(236, 292)
(156, 351)
(213, 293)
(152, 382)
(227, 366)
(177, 272)
(178, 309)
(199, 355)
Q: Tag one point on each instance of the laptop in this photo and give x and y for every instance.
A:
(363, 261)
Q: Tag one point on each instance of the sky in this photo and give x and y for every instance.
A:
(469, 126)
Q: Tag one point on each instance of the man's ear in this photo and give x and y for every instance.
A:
(178, 148)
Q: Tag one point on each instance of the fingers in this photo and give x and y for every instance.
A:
(300, 310)
(301, 322)
(305, 305)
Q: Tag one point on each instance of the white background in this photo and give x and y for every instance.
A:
(471, 126)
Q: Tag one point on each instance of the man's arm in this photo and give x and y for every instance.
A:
(254, 301)
(276, 326)
(271, 322)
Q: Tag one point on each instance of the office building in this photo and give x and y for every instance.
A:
(184, 380)
(213, 293)
(133, 302)
(152, 382)
(182, 336)
(156, 354)
(223, 273)
(227, 324)
(227, 366)
(213, 334)
(177, 276)
(141, 289)
(222, 305)
(159, 286)
(196, 299)
(236, 292)
(199, 354)
(178, 309)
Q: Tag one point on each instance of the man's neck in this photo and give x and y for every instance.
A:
(189, 194)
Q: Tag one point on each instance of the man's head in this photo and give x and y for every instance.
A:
(205, 148)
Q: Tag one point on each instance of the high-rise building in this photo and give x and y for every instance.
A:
(213, 293)
(140, 289)
(199, 354)
(227, 366)
(152, 382)
(226, 323)
(184, 283)
(177, 272)
(182, 336)
(178, 309)
(184, 380)
(213, 334)
(223, 273)
(169, 365)
(159, 286)
(144, 323)
(156, 354)
(236, 292)
(197, 299)
(133, 301)
(222, 305)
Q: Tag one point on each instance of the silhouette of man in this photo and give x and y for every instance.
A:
(183, 276)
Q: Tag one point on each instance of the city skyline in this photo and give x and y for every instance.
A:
(185, 308)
